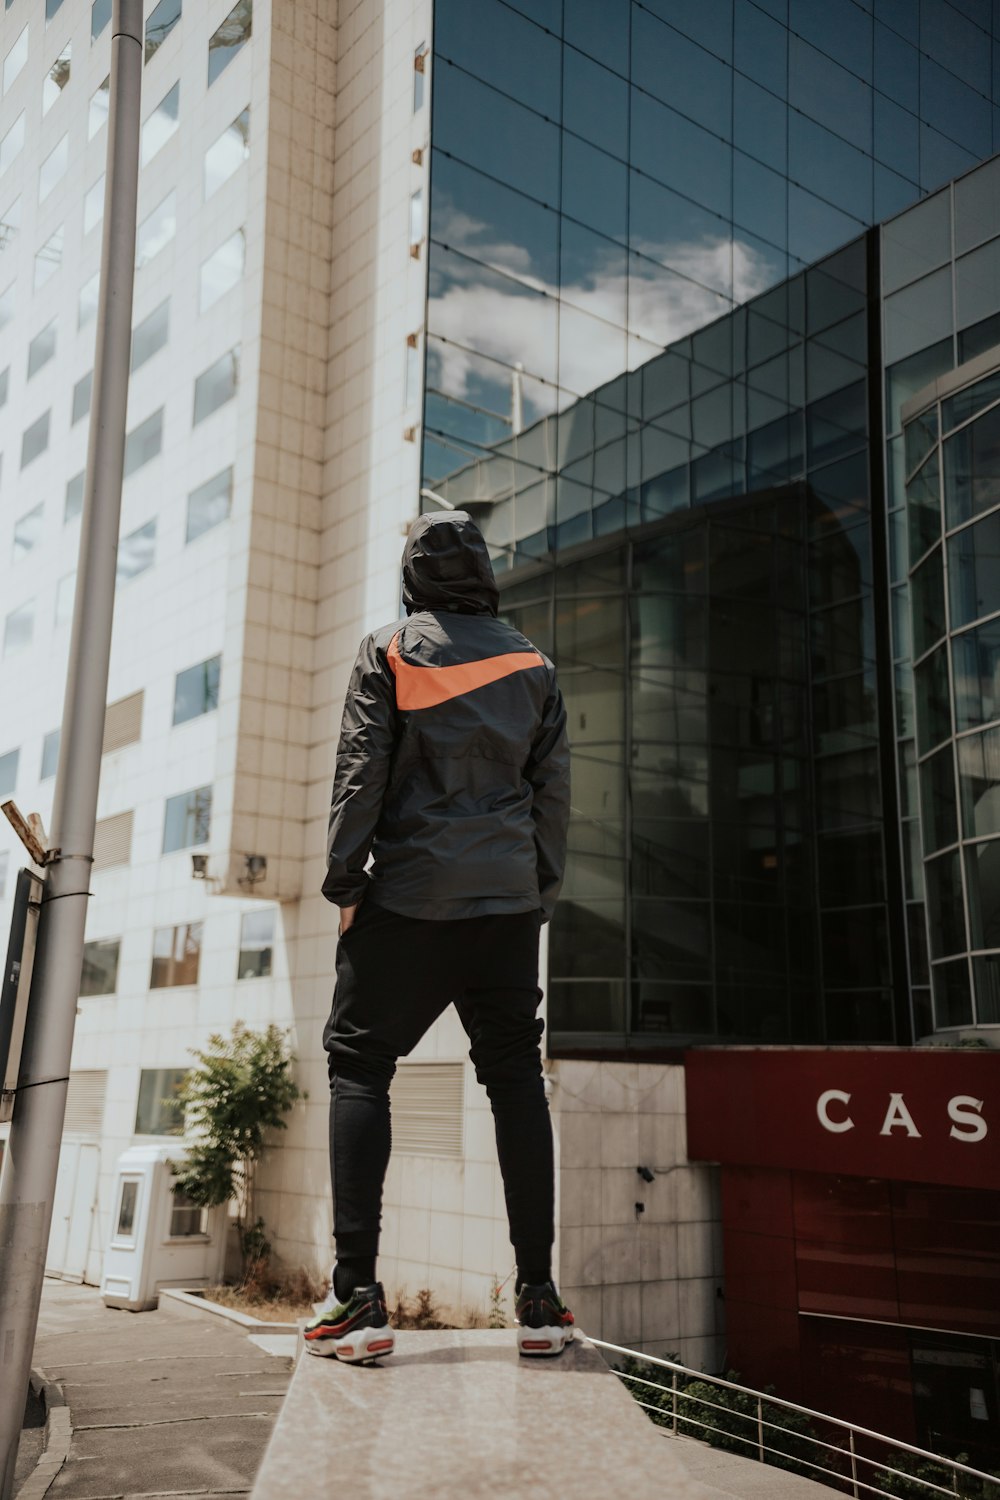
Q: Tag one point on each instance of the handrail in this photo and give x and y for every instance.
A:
(953, 1466)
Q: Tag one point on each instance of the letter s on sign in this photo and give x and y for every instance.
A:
(968, 1126)
(822, 1109)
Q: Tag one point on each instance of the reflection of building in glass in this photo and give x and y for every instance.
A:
(713, 625)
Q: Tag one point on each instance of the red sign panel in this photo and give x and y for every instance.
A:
(918, 1115)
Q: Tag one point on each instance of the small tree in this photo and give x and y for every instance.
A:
(238, 1093)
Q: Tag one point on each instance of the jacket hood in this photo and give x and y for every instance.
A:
(446, 565)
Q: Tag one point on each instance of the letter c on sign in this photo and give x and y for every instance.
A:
(968, 1126)
(822, 1109)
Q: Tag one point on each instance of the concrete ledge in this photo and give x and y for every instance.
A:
(185, 1304)
(456, 1413)
(58, 1433)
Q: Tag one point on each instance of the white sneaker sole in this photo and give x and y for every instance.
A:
(355, 1348)
(540, 1343)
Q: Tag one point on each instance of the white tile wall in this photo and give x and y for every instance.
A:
(648, 1278)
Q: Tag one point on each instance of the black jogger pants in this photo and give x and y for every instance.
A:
(395, 976)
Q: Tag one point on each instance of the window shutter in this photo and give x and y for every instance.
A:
(427, 1109)
(113, 841)
(122, 722)
(85, 1103)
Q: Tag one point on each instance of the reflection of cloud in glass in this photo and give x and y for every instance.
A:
(515, 320)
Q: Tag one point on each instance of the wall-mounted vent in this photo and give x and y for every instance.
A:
(122, 722)
(85, 1103)
(427, 1100)
(113, 841)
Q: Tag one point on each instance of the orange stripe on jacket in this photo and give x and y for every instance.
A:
(426, 687)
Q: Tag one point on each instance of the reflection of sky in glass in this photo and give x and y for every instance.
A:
(57, 78)
(49, 258)
(11, 143)
(227, 154)
(159, 126)
(222, 270)
(135, 553)
(156, 231)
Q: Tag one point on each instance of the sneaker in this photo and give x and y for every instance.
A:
(353, 1331)
(545, 1323)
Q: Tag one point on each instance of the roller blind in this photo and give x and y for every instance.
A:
(427, 1109)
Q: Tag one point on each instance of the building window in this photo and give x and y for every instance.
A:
(86, 307)
(50, 755)
(149, 336)
(81, 397)
(144, 442)
(231, 37)
(42, 348)
(53, 168)
(11, 143)
(100, 103)
(226, 155)
(187, 1219)
(159, 1111)
(411, 374)
(187, 820)
(49, 258)
(74, 497)
(57, 78)
(135, 553)
(6, 307)
(4, 385)
(100, 15)
(419, 76)
(222, 270)
(93, 205)
(15, 59)
(216, 385)
(18, 629)
(256, 944)
(125, 1225)
(209, 504)
(65, 598)
(4, 870)
(161, 124)
(8, 772)
(28, 531)
(160, 23)
(196, 690)
(99, 975)
(416, 218)
(35, 439)
(176, 956)
(10, 225)
(51, 6)
(156, 230)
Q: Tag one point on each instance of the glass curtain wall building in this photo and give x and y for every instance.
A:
(655, 341)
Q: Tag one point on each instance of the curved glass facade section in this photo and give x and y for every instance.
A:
(952, 450)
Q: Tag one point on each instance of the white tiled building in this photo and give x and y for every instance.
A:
(271, 473)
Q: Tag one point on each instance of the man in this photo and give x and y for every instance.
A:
(453, 772)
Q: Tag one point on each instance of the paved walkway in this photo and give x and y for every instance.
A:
(159, 1404)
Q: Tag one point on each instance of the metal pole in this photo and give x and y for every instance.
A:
(29, 1175)
(854, 1463)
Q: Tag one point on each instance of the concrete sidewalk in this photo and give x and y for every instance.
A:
(159, 1404)
(165, 1404)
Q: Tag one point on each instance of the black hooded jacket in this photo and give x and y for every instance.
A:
(453, 761)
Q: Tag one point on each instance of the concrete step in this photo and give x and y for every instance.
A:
(457, 1415)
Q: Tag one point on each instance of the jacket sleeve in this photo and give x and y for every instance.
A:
(364, 759)
(548, 773)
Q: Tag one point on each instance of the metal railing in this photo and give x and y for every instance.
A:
(843, 1460)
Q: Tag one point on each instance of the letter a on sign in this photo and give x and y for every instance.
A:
(896, 1116)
